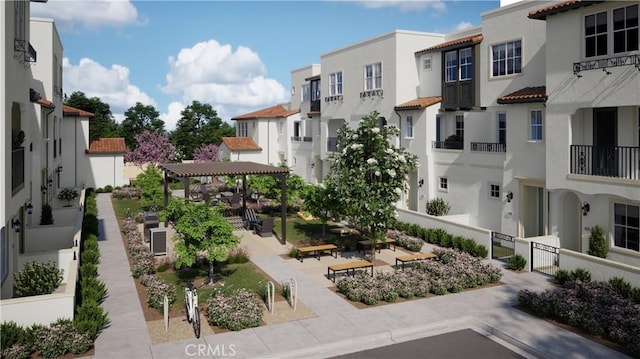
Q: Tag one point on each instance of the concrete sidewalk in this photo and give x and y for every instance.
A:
(339, 327)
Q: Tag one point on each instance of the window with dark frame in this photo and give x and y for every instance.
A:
(595, 34)
(451, 66)
(502, 128)
(494, 190)
(506, 58)
(444, 184)
(409, 127)
(625, 29)
(466, 64)
(536, 125)
(460, 127)
(626, 226)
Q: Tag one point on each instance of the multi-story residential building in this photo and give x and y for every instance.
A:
(592, 120)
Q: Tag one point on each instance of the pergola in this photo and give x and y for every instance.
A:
(203, 169)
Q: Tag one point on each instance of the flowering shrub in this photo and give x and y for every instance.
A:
(59, 339)
(236, 311)
(413, 244)
(126, 192)
(451, 271)
(142, 263)
(146, 279)
(16, 351)
(156, 290)
(595, 307)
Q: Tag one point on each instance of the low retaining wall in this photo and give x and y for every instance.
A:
(600, 269)
(479, 235)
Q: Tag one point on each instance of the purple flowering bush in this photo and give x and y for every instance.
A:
(404, 240)
(126, 192)
(59, 339)
(236, 311)
(594, 307)
(156, 290)
(451, 271)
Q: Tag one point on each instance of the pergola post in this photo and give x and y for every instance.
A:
(283, 206)
(244, 194)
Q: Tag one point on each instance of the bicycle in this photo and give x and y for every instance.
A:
(191, 306)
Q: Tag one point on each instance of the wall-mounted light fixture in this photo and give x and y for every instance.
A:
(421, 182)
(50, 182)
(604, 69)
(313, 165)
(59, 169)
(29, 207)
(509, 196)
(16, 224)
(43, 188)
(585, 208)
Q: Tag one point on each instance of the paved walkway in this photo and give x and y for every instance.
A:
(339, 327)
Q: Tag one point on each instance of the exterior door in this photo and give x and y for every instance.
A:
(605, 128)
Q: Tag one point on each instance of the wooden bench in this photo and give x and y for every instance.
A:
(414, 257)
(351, 266)
(379, 244)
(343, 231)
(316, 250)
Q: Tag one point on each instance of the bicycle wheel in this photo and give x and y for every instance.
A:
(196, 322)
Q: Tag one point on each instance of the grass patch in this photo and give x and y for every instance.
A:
(235, 276)
(302, 232)
(501, 252)
(121, 206)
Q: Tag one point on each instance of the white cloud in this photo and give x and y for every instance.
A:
(406, 5)
(172, 115)
(111, 85)
(228, 80)
(89, 14)
(463, 26)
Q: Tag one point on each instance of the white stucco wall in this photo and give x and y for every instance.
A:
(107, 169)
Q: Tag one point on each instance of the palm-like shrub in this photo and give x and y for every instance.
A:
(438, 207)
(597, 243)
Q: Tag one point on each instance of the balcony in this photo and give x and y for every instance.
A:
(448, 145)
(371, 93)
(17, 169)
(332, 144)
(606, 161)
(488, 147)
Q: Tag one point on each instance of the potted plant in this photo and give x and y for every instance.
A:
(68, 194)
(46, 217)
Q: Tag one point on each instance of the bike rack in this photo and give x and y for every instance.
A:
(293, 292)
(271, 292)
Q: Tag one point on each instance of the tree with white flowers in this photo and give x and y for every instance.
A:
(367, 177)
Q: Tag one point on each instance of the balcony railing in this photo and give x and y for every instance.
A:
(448, 145)
(332, 144)
(17, 169)
(307, 139)
(488, 147)
(606, 161)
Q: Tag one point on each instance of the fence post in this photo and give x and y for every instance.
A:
(293, 293)
(271, 291)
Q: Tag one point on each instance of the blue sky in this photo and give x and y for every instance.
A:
(235, 55)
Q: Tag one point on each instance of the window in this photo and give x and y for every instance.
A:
(502, 128)
(20, 20)
(443, 184)
(409, 127)
(626, 226)
(4, 250)
(426, 63)
(296, 130)
(293, 90)
(466, 64)
(305, 93)
(242, 130)
(451, 66)
(335, 83)
(494, 190)
(506, 58)
(625, 29)
(315, 90)
(595, 34)
(439, 128)
(460, 127)
(536, 125)
(373, 76)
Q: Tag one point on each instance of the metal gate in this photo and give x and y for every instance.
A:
(544, 258)
(502, 246)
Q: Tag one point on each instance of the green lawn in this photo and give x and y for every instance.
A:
(122, 206)
(304, 233)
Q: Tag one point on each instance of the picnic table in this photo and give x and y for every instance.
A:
(350, 266)
(414, 257)
(379, 244)
(317, 250)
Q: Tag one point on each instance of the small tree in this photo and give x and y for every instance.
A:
(319, 201)
(153, 147)
(46, 216)
(200, 229)
(368, 177)
(597, 243)
(437, 207)
(207, 153)
(150, 184)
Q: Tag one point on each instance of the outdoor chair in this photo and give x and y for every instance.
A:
(265, 228)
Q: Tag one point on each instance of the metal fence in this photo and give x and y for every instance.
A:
(545, 258)
(502, 246)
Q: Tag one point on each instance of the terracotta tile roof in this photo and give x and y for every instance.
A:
(219, 169)
(525, 95)
(277, 111)
(75, 112)
(241, 144)
(35, 97)
(108, 145)
(541, 14)
(467, 40)
(419, 103)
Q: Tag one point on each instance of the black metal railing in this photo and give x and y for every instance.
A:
(503, 246)
(605, 161)
(314, 106)
(31, 54)
(488, 147)
(371, 93)
(448, 145)
(545, 258)
(296, 138)
(17, 169)
(307, 139)
(332, 144)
